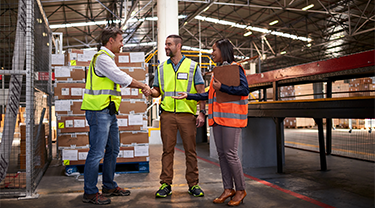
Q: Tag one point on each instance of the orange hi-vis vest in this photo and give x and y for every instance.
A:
(230, 114)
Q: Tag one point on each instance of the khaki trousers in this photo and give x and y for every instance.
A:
(169, 124)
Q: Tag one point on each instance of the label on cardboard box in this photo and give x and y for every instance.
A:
(63, 71)
(79, 123)
(73, 56)
(61, 125)
(140, 151)
(137, 57)
(122, 122)
(125, 91)
(126, 153)
(82, 155)
(135, 119)
(62, 105)
(134, 91)
(68, 123)
(64, 91)
(57, 59)
(89, 54)
(73, 62)
(123, 59)
(76, 91)
(69, 154)
(81, 57)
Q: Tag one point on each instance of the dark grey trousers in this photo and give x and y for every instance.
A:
(227, 139)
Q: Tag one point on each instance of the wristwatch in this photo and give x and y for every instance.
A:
(203, 111)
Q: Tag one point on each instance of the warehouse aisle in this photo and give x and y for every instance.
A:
(302, 184)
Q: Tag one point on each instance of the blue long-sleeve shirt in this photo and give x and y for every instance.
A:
(242, 89)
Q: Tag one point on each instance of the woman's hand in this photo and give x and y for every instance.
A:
(182, 95)
(216, 84)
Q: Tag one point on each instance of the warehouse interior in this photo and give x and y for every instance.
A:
(293, 51)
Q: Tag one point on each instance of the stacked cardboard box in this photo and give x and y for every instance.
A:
(69, 90)
(361, 87)
(39, 148)
(73, 129)
(298, 92)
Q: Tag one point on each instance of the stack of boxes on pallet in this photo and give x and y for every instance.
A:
(72, 127)
(361, 87)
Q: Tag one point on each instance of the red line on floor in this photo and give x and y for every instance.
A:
(300, 196)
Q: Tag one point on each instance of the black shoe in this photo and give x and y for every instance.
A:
(115, 192)
(96, 199)
(196, 191)
(164, 191)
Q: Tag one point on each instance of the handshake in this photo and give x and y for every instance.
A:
(146, 90)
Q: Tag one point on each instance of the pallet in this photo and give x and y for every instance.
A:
(121, 168)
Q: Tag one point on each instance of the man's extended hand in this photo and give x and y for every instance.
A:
(146, 90)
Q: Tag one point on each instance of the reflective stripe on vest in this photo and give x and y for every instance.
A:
(227, 115)
(231, 114)
(171, 86)
(105, 89)
(102, 92)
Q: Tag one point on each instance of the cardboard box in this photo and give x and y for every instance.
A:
(137, 73)
(305, 122)
(70, 74)
(71, 140)
(131, 93)
(72, 124)
(77, 57)
(126, 154)
(68, 91)
(130, 137)
(132, 106)
(290, 122)
(130, 59)
(68, 107)
(132, 122)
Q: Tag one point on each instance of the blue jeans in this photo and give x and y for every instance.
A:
(104, 142)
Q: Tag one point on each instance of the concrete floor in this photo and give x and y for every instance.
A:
(348, 183)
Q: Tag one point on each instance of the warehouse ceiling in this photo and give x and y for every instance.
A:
(331, 28)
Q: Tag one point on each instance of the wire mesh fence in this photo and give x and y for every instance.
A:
(24, 97)
(355, 143)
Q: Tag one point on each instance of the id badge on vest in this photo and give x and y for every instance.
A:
(182, 75)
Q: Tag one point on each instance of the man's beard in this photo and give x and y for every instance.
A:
(170, 53)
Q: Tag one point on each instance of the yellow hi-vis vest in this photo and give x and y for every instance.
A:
(171, 83)
(99, 91)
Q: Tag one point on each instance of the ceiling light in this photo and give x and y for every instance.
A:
(283, 52)
(247, 34)
(274, 22)
(256, 29)
(308, 7)
(308, 45)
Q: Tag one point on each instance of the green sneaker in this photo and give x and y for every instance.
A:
(164, 191)
(196, 191)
